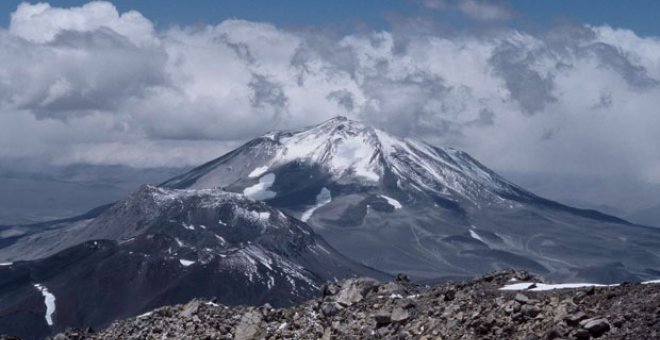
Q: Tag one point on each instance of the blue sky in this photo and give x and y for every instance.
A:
(640, 16)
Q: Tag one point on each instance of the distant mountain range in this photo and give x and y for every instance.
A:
(275, 219)
(34, 193)
(648, 216)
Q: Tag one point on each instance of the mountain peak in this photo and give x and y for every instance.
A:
(338, 125)
(351, 152)
(340, 145)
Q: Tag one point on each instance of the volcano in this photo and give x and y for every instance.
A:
(402, 205)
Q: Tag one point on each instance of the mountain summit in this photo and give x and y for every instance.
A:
(352, 152)
(402, 205)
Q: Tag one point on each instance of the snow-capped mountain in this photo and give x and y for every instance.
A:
(402, 205)
(158, 247)
(350, 152)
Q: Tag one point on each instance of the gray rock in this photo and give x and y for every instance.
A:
(574, 319)
(596, 326)
(354, 290)
(190, 309)
(521, 298)
(399, 315)
(329, 308)
(249, 326)
(382, 318)
(530, 310)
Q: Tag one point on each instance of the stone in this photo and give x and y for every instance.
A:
(511, 307)
(596, 327)
(530, 310)
(190, 309)
(521, 298)
(382, 318)
(582, 334)
(353, 291)
(574, 319)
(450, 295)
(249, 326)
(329, 308)
(400, 277)
(399, 315)
(552, 333)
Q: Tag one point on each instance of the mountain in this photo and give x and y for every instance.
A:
(34, 193)
(401, 205)
(648, 216)
(251, 227)
(158, 247)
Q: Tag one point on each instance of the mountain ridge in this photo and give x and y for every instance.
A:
(158, 247)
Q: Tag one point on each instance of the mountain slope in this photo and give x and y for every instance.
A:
(649, 216)
(402, 205)
(159, 247)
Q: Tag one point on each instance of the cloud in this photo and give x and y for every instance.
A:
(481, 10)
(484, 10)
(88, 84)
(41, 23)
(435, 4)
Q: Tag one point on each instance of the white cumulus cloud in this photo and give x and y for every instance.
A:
(90, 84)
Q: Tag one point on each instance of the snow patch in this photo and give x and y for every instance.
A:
(49, 300)
(324, 197)
(476, 236)
(544, 287)
(254, 216)
(144, 315)
(342, 147)
(186, 263)
(2, 264)
(323, 249)
(260, 256)
(391, 201)
(258, 171)
(260, 190)
(188, 226)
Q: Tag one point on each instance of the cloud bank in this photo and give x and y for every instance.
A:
(92, 85)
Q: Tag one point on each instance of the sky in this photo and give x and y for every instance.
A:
(561, 87)
(376, 14)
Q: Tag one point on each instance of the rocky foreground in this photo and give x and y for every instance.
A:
(368, 309)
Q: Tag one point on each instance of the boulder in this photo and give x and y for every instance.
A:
(596, 326)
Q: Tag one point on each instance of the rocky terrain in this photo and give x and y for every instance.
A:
(368, 309)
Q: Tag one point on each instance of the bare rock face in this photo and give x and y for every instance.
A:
(367, 309)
